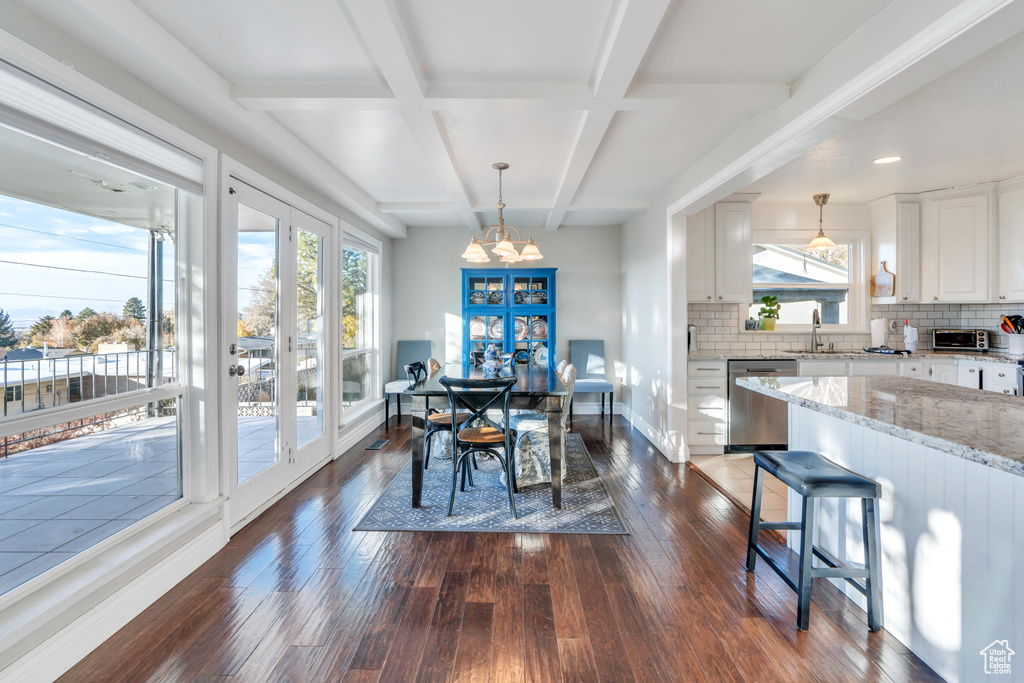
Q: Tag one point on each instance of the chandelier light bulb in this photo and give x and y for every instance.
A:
(531, 252)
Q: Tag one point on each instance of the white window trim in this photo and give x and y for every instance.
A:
(71, 585)
(860, 279)
(355, 411)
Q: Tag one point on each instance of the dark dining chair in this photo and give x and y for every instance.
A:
(409, 351)
(476, 397)
(588, 357)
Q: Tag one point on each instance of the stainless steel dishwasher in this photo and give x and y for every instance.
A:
(756, 420)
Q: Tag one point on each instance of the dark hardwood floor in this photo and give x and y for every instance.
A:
(298, 596)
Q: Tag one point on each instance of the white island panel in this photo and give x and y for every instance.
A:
(952, 532)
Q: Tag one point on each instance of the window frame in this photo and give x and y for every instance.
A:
(353, 237)
(859, 242)
(195, 270)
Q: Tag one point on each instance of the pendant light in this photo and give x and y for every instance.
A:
(821, 241)
(504, 247)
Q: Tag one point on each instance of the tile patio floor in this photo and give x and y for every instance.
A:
(58, 500)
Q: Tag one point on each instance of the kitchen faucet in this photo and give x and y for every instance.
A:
(815, 324)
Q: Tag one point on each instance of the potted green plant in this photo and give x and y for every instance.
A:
(769, 312)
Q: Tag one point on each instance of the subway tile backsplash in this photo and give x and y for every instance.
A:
(718, 327)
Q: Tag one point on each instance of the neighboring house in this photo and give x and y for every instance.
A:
(34, 382)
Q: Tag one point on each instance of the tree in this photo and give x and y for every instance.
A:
(134, 308)
(260, 313)
(353, 287)
(96, 327)
(84, 314)
(40, 328)
(63, 333)
(308, 280)
(66, 313)
(132, 332)
(7, 336)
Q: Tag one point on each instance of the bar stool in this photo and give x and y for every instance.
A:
(813, 476)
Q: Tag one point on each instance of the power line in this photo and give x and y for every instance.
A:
(74, 270)
(79, 270)
(70, 237)
(61, 296)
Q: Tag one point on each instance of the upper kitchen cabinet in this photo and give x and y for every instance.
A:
(700, 257)
(718, 252)
(957, 239)
(733, 252)
(896, 239)
(1011, 241)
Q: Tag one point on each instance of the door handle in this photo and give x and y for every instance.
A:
(236, 370)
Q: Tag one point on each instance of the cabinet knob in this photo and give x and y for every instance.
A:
(719, 298)
(1001, 296)
(1006, 391)
(971, 370)
(905, 298)
(935, 298)
(1002, 374)
(913, 369)
(709, 297)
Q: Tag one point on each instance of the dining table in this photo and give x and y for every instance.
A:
(538, 389)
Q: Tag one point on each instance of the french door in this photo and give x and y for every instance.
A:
(276, 321)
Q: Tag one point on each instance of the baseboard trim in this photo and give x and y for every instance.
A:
(55, 655)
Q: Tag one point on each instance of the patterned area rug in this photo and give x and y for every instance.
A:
(586, 506)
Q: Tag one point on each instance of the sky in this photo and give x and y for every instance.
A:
(34, 235)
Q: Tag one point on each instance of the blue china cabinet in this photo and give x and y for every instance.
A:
(513, 308)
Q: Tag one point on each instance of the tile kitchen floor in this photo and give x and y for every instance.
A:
(733, 473)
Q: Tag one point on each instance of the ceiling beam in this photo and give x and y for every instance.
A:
(383, 34)
(537, 205)
(126, 35)
(370, 97)
(633, 29)
(900, 49)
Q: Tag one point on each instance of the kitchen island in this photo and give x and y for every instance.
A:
(951, 464)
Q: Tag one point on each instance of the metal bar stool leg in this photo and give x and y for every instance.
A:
(873, 582)
(803, 610)
(755, 519)
(387, 407)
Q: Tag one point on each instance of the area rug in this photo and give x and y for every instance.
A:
(586, 506)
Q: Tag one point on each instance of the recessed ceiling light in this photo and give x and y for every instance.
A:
(887, 160)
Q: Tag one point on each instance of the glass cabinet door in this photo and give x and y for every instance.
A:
(530, 291)
(531, 339)
(486, 291)
(484, 330)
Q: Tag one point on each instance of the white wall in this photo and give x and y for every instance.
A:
(428, 287)
(646, 322)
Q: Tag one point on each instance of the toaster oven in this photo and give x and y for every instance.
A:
(960, 340)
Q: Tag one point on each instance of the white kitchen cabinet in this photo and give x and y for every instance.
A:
(822, 368)
(957, 246)
(1000, 378)
(733, 255)
(913, 368)
(943, 371)
(700, 257)
(896, 239)
(874, 368)
(707, 407)
(1011, 241)
(968, 374)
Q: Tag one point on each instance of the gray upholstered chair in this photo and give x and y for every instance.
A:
(408, 351)
(588, 357)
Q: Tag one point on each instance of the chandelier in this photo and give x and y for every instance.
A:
(500, 236)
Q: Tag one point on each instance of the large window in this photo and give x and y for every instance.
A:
(804, 280)
(358, 322)
(90, 423)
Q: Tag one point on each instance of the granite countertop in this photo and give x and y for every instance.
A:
(988, 356)
(980, 426)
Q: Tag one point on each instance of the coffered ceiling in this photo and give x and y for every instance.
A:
(399, 107)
